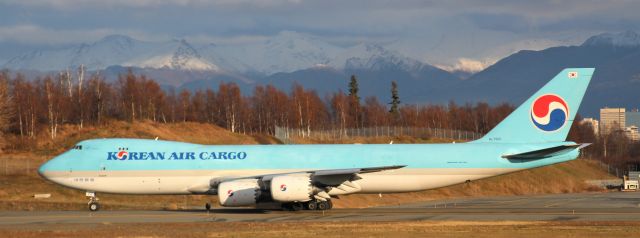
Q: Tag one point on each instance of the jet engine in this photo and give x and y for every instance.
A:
(242, 192)
(291, 188)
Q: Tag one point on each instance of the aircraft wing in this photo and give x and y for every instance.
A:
(353, 171)
(340, 179)
(326, 172)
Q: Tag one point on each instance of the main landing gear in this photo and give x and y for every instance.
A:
(93, 201)
(310, 205)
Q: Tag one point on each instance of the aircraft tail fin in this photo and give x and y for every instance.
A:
(548, 114)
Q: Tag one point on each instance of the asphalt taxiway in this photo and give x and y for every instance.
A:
(612, 206)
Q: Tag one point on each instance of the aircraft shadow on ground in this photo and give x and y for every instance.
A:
(229, 211)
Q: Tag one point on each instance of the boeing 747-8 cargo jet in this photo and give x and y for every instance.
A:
(309, 176)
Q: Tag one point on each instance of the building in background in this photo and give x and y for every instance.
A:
(632, 133)
(612, 119)
(593, 123)
(632, 118)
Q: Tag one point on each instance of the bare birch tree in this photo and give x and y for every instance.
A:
(6, 110)
(80, 96)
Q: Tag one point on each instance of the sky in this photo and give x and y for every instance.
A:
(452, 34)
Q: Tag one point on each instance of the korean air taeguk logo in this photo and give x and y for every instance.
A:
(122, 155)
(549, 112)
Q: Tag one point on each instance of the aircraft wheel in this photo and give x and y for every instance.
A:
(296, 206)
(330, 204)
(311, 205)
(94, 206)
(207, 206)
(323, 205)
(286, 207)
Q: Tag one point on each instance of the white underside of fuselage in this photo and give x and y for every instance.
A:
(199, 181)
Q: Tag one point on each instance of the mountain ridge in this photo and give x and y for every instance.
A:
(615, 83)
(326, 68)
(285, 52)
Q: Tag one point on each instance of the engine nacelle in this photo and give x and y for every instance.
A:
(242, 192)
(288, 188)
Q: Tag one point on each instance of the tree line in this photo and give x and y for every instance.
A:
(41, 105)
(38, 106)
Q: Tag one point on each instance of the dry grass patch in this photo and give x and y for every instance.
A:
(566, 177)
(193, 132)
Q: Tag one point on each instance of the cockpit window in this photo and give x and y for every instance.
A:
(77, 147)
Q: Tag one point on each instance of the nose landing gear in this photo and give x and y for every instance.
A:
(93, 201)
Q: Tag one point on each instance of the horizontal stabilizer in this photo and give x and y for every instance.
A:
(544, 153)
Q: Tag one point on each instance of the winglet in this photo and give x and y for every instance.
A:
(584, 145)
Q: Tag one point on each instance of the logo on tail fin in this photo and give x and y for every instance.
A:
(549, 112)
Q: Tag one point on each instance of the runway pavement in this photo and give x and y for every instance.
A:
(614, 206)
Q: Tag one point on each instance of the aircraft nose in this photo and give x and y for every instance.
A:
(43, 169)
(46, 168)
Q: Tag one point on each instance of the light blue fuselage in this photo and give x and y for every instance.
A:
(150, 160)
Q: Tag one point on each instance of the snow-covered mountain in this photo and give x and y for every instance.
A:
(373, 57)
(115, 50)
(622, 39)
(281, 60)
(375, 67)
(283, 53)
(173, 55)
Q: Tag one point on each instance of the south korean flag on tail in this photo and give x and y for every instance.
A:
(572, 75)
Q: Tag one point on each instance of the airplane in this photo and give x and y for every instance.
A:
(297, 177)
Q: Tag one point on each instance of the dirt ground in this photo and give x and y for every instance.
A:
(496, 229)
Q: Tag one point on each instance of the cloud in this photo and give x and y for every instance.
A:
(501, 22)
(467, 65)
(226, 40)
(431, 30)
(80, 4)
(36, 35)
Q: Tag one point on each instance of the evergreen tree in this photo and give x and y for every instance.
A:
(395, 99)
(353, 88)
(354, 102)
